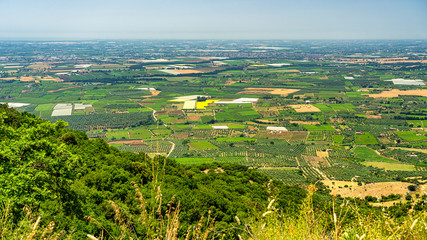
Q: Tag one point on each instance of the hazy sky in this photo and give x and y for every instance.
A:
(213, 19)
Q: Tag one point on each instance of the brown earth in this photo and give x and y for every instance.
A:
(373, 116)
(371, 189)
(266, 91)
(301, 108)
(305, 122)
(396, 92)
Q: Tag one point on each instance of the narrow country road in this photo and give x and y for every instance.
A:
(173, 147)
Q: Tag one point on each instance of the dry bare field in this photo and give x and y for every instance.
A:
(301, 108)
(153, 93)
(373, 116)
(371, 189)
(267, 91)
(305, 122)
(396, 92)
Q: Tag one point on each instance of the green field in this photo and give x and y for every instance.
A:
(119, 135)
(319, 128)
(411, 136)
(44, 107)
(338, 139)
(365, 139)
(203, 145)
(370, 155)
(140, 134)
(235, 139)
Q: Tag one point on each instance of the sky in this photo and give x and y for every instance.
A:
(212, 19)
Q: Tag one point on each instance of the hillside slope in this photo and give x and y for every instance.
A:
(64, 176)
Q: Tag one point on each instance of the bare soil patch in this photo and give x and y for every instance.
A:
(27, 79)
(322, 154)
(269, 91)
(153, 93)
(266, 121)
(373, 116)
(229, 82)
(396, 92)
(300, 108)
(305, 122)
(194, 118)
(372, 189)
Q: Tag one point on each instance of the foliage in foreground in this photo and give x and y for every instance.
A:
(313, 224)
(69, 179)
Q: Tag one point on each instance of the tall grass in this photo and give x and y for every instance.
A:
(29, 227)
(309, 224)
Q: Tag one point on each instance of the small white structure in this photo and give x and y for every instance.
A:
(220, 127)
(349, 78)
(146, 88)
(277, 129)
(239, 101)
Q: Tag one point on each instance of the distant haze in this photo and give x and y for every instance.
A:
(212, 19)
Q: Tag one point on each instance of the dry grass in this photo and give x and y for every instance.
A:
(29, 227)
(311, 224)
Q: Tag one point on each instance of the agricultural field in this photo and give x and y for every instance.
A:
(365, 138)
(412, 136)
(294, 111)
